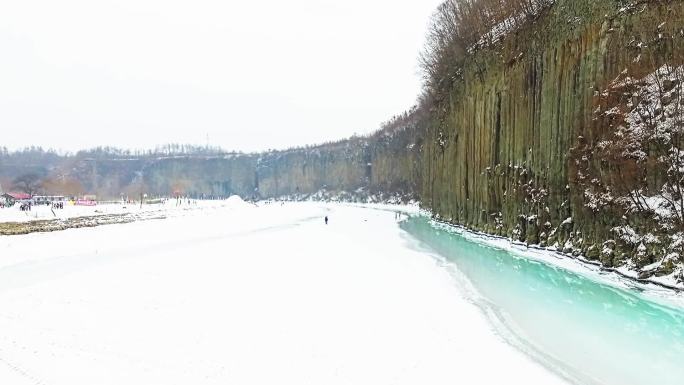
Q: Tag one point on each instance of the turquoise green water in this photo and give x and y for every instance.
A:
(594, 332)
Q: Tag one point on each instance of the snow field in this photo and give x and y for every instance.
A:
(244, 295)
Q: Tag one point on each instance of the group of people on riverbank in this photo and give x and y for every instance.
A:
(27, 206)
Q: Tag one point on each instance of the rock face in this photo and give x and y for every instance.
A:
(498, 155)
(210, 176)
(386, 163)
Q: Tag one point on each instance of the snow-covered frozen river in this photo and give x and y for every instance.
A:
(271, 295)
(590, 326)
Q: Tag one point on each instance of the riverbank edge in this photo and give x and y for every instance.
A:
(46, 226)
(552, 253)
(414, 207)
(52, 225)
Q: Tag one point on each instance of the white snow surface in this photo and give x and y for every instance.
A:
(238, 294)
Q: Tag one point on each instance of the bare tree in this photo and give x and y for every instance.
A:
(460, 27)
(63, 185)
(27, 183)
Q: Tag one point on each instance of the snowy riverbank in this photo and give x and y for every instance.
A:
(46, 213)
(45, 219)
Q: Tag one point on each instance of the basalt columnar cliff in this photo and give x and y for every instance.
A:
(562, 130)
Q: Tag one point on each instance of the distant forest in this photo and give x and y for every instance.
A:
(201, 171)
(35, 170)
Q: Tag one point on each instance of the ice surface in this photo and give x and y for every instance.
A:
(244, 295)
(592, 326)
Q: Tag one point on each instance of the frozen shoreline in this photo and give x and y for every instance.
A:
(621, 278)
(576, 319)
(547, 254)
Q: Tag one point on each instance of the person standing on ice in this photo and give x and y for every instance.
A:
(326, 219)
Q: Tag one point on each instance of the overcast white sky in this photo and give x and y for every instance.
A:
(249, 75)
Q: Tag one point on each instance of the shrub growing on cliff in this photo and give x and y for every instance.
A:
(636, 170)
(459, 27)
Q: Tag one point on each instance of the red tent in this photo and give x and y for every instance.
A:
(18, 196)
